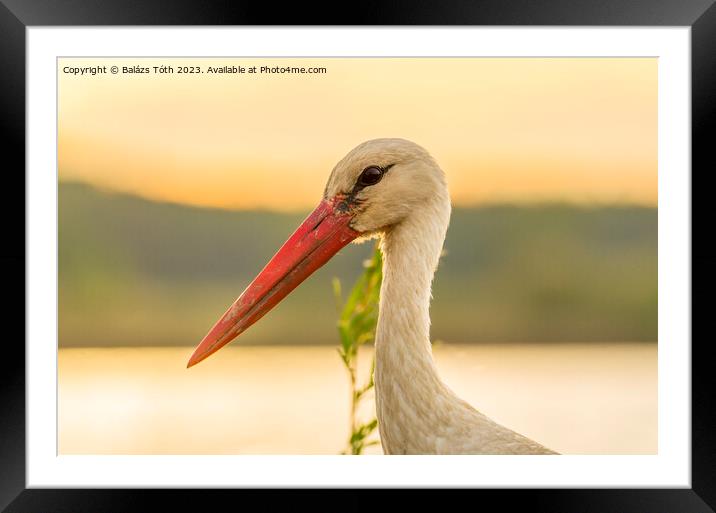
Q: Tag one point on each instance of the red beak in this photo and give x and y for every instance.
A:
(320, 236)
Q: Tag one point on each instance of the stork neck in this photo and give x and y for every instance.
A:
(405, 373)
(411, 252)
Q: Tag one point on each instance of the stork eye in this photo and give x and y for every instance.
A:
(370, 175)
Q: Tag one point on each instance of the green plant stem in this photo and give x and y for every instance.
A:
(357, 319)
(354, 401)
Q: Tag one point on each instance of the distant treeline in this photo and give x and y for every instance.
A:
(137, 272)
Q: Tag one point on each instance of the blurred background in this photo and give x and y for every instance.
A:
(175, 189)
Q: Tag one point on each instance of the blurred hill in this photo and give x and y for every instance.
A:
(137, 272)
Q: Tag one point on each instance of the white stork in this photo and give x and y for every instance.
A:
(392, 189)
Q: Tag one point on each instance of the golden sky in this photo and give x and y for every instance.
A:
(503, 129)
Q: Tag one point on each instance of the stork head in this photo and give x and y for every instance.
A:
(375, 187)
(382, 181)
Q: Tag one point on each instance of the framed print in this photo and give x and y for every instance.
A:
(463, 238)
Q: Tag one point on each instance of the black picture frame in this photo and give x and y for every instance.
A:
(17, 15)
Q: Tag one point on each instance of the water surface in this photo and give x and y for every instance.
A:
(573, 398)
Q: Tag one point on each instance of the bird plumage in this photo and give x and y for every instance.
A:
(417, 413)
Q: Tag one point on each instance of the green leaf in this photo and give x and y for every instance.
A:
(354, 298)
(346, 339)
(370, 426)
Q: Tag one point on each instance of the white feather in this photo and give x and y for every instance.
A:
(410, 210)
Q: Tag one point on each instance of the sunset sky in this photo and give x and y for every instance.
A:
(507, 129)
